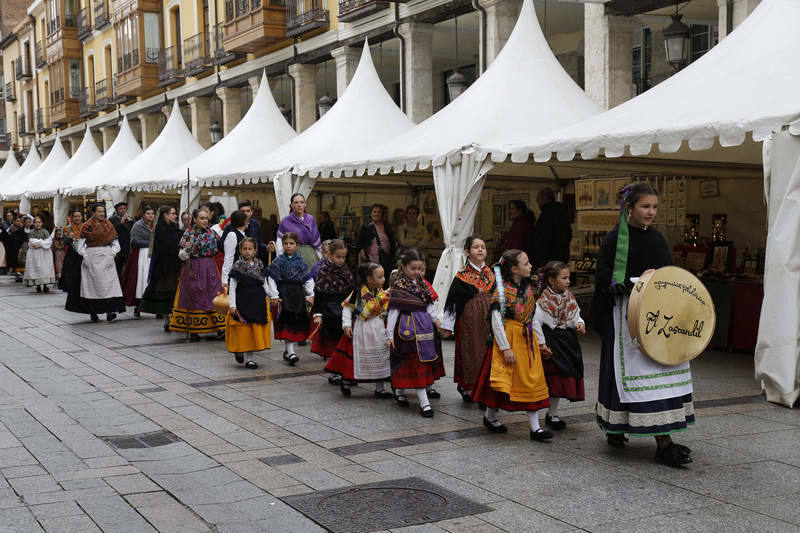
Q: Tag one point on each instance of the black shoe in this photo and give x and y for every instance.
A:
(38, 288)
(159, 316)
(426, 412)
(556, 425)
(252, 365)
(433, 394)
(45, 289)
(464, 395)
(111, 316)
(335, 379)
(616, 440)
(685, 450)
(194, 337)
(383, 395)
(345, 389)
(220, 335)
(671, 455)
(94, 318)
(166, 327)
(401, 400)
(500, 428)
(541, 435)
(136, 313)
(239, 357)
(302, 343)
(290, 358)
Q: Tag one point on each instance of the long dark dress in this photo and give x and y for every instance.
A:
(165, 268)
(647, 249)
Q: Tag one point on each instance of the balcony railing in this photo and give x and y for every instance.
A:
(196, 54)
(101, 96)
(84, 23)
(10, 96)
(57, 96)
(303, 16)
(41, 60)
(53, 25)
(101, 17)
(355, 9)
(85, 102)
(22, 125)
(222, 56)
(128, 60)
(41, 121)
(169, 65)
(23, 68)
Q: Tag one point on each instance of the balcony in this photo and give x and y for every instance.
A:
(85, 102)
(23, 68)
(123, 8)
(10, 95)
(303, 16)
(42, 125)
(135, 78)
(169, 66)
(350, 10)
(221, 54)
(65, 108)
(41, 59)
(196, 54)
(62, 38)
(23, 128)
(101, 17)
(101, 96)
(84, 23)
(253, 24)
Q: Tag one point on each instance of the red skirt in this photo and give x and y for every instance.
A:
(482, 392)
(412, 374)
(341, 362)
(324, 346)
(289, 332)
(130, 276)
(562, 386)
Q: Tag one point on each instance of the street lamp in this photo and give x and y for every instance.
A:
(677, 42)
(324, 104)
(216, 132)
(456, 85)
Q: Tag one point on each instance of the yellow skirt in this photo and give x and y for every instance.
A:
(194, 320)
(523, 381)
(245, 337)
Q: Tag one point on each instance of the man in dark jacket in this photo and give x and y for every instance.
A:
(122, 223)
(552, 233)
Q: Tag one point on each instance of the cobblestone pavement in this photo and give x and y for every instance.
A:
(241, 443)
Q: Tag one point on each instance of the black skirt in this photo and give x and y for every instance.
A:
(567, 355)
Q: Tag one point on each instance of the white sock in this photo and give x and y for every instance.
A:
(399, 393)
(553, 409)
(249, 356)
(379, 386)
(491, 416)
(289, 347)
(533, 418)
(422, 395)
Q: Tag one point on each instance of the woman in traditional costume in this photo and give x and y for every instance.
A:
(556, 322)
(22, 237)
(71, 271)
(100, 291)
(193, 312)
(59, 252)
(511, 377)
(13, 242)
(665, 405)
(303, 225)
(416, 353)
(165, 266)
(247, 324)
(362, 354)
(290, 277)
(39, 268)
(134, 275)
(466, 313)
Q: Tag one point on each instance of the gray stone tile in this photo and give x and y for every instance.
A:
(114, 514)
(35, 484)
(18, 520)
(70, 524)
(733, 425)
(13, 457)
(56, 510)
(515, 518)
(23, 471)
(78, 484)
(211, 477)
(783, 507)
(132, 484)
(320, 479)
(770, 445)
(221, 494)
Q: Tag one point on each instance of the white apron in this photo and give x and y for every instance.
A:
(142, 270)
(370, 353)
(99, 278)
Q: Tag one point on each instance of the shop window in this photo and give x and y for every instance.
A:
(152, 37)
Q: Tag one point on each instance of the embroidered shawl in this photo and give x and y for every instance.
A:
(369, 304)
(563, 307)
(289, 268)
(72, 231)
(98, 232)
(306, 229)
(520, 303)
(201, 242)
(334, 279)
(419, 287)
(254, 269)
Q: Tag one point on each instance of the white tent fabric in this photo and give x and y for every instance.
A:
(86, 154)
(365, 115)
(777, 357)
(121, 152)
(54, 161)
(31, 163)
(746, 83)
(174, 146)
(10, 167)
(260, 131)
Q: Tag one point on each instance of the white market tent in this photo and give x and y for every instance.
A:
(364, 115)
(10, 167)
(54, 161)
(31, 163)
(121, 152)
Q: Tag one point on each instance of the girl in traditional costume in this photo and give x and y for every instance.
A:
(416, 354)
(71, 272)
(23, 235)
(59, 252)
(555, 322)
(193, 311)
(466, 314)
(290, 277)
(362, 355)
(332, 286)
(660, 403)
(98, 245)
(304, 227)
(39, 267)
(247, 324)
(165, 266)
(511, 377)
(137, 267)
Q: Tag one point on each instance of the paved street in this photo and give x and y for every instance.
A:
(121, 427)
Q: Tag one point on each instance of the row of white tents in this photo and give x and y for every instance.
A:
(523, 107)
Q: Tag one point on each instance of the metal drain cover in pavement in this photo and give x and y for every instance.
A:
(142, 440)
(384, 505)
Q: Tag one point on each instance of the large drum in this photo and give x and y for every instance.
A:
(671, 315)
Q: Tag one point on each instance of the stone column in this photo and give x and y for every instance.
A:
(346, 58)
(200, 107)
(418, 90)
(740, 10)
(501, 16)
(608, 59)
(254, 83)
(98, 138)
(74, 143)
(305, 95)
(109, 133)
(231, 107)
(151, 127)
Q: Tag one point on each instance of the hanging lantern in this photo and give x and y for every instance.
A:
(324, 104)
(216, 132)
(677, 42)
(456, 85)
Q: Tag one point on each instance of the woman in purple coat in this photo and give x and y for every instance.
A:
(304, 225)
